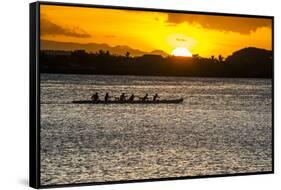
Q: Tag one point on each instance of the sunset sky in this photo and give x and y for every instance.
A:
(205, 35)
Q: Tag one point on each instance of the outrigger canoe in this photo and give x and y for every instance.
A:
(171, 101)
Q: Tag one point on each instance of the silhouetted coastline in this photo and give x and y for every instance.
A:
(245, 63)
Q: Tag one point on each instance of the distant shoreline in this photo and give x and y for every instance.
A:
(245, 63)
(117, 75)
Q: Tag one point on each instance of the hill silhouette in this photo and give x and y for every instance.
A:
(248, 62)
(252, 60)
(94, 47)
(250, 55)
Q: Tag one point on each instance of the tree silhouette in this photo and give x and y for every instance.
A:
(101, 52)
(195, 56)
(220, 58)
(247, 62)
(127, 54)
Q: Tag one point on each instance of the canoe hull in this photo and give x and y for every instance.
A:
(173, 101)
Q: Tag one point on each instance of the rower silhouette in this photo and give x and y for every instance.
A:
(122, 97)
(107, 97)
(145, 97)
(95, 97)
(131, 98)
(155, 97)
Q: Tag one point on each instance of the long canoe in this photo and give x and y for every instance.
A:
(171, 101)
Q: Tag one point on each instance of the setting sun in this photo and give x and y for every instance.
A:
(182, 51)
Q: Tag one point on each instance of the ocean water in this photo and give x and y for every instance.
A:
(224, 126)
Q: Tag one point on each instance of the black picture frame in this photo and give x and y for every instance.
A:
(34, 98)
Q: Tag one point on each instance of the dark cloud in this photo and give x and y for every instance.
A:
(181, 39)
(156, 18)
(110, 36)
(223, 23)
(49, 28)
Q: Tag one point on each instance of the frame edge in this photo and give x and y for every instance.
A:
(34, 112)
(34, 162)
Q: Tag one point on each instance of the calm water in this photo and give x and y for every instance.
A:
(222, 127)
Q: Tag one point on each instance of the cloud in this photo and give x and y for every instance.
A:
(49, 28)
(223, 23)
(181, 39)
(110, 36)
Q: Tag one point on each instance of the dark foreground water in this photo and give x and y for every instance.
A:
(223, 127)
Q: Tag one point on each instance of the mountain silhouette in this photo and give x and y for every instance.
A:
(251, 56)
(94, 47)
(251, 61)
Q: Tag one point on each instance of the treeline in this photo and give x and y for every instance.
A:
(247, 62)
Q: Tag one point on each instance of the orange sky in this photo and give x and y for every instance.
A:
(205, 35)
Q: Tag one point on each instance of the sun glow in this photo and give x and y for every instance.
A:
(172, 33)
(181, 51)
